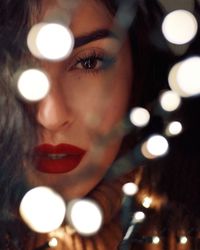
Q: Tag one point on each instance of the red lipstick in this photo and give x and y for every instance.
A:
(56, 159)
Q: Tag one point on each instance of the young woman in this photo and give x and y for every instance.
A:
(114, 66)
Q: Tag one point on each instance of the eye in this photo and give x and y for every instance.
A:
(90, 63)
(93, 62)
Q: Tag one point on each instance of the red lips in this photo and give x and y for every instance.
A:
(57, 159)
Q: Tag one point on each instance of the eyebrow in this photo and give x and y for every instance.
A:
(93, 36)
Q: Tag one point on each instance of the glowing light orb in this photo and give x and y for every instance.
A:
(145, 151)
(147, 202)
(157, 145)
(33, 85)
(42, 209)
(188, 76)
(172, 80)
(170, 101)
(183, 240)
(155, 240)
(130, 188)
(138, 217)
(31, 40)
(139, 117)
(174, 128)
(54, 41)
(85, 216)
(179, 27)
(53, 243)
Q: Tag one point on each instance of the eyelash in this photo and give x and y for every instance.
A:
(105, 62)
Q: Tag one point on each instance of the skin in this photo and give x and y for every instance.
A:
(84, 105)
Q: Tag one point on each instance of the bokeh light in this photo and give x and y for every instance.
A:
(174, 128)
(53, 243)
(130, 189)
(138, 217)
(31, 40)
(157, 145)
(183, 240)
(145, 151)
(33, 85)
(184, 77)
(85, 216)
(60, 41)
(147, 201)
(155, 240)
(172, 80)
(179, 27)
(170, 100)
(188, 76)
(42, 209)
(139, 117)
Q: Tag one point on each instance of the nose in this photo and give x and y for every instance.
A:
(53, 112)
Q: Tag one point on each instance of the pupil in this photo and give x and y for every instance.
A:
(90, 63)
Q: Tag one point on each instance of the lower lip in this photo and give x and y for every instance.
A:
(63, 165)
(58, 166)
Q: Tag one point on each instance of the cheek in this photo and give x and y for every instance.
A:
(118, 98)
(100, 100)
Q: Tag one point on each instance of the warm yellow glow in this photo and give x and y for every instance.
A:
(33, 85)
(147, 202)
(42, 209)
(85, 216)
(130, 188)
(60, 41)
(139, 117)
(170, 101)
(179, 27)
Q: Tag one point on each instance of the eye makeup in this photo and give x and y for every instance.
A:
(93, 61)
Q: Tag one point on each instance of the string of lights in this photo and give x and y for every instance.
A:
(44, 210)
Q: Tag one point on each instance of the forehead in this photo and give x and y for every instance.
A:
(85, 15)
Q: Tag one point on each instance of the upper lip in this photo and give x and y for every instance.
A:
(58, 151)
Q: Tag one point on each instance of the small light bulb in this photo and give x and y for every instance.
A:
(85, 216)
(33, 85)
(147, 202)
(139, 117)
(183, 240)
(155, 240)
(138, 217)
(130, 188)
(179, 27)
(53, 243)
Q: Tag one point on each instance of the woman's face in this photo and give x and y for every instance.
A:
(88, 97)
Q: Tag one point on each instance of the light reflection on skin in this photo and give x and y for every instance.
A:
(79, 96)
